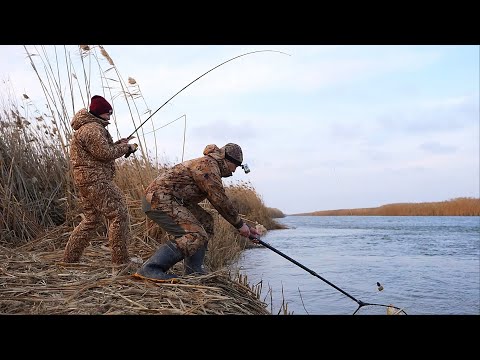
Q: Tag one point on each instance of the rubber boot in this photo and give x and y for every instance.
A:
(163, 259)
(194, 264)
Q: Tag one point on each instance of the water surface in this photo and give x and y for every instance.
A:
(427, 265)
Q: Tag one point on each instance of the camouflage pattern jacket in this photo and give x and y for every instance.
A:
(193, 181)
(92, 150)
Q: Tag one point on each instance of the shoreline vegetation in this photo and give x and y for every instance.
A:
(462, 206)
(39, 208)
(39, 205)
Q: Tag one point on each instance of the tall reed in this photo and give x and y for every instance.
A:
(37, 192)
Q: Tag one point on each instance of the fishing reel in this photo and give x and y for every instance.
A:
(131, 150)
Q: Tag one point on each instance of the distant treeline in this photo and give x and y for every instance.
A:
(463, 206)
(275, 213)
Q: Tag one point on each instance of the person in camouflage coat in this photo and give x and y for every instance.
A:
(92, 156)
(172, 201)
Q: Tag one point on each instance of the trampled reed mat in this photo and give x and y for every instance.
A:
(34, 280)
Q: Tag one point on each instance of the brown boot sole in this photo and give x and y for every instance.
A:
(168, 281)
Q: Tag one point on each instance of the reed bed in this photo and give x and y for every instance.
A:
(39, 205)
(35, 281)
(462, 206)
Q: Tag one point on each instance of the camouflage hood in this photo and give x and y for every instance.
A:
(83, 117)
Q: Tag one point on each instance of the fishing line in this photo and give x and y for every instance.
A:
(178, 92)
(165, 125)
(184, 131)
(359, 302)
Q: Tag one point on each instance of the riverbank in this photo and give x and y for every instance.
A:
(36, 282)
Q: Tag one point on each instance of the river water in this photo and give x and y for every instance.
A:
(427, 265)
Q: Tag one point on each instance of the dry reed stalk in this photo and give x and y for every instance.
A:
(106, 56)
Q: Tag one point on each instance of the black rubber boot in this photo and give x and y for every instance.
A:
(194, 264)
(164, 258)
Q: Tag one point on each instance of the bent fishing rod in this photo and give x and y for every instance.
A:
(359, 302)
(178, 92)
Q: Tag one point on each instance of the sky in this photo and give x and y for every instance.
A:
(322, 127)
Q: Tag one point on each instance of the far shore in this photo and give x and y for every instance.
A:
(463, 206)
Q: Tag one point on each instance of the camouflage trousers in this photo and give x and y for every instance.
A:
(97, 200)
(189, 224)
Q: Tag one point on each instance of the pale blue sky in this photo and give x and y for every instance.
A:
(327, 127)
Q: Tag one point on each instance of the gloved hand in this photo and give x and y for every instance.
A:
(131, 149)
(122, 141)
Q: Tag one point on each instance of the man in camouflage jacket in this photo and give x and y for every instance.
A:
(172, 201)
(92, 156)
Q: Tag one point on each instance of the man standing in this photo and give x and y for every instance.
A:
(92, 155)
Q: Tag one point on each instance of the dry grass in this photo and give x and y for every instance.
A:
(39, 205)
(35, 281)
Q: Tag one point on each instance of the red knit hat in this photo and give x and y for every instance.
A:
(99, 105)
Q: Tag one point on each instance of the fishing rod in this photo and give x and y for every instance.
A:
(359, 302)
(178, 92)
